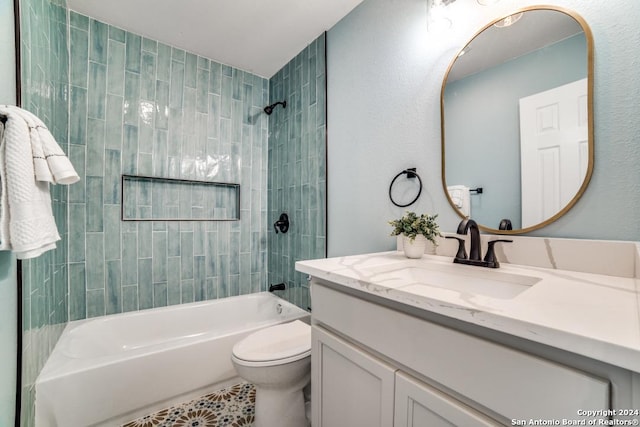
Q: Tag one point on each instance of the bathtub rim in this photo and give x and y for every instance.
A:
(60, 364)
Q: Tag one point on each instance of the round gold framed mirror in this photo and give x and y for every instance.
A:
(517, 120)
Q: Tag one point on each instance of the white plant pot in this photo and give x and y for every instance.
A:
(414, 249)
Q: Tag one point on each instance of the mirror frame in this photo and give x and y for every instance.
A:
(590, 93)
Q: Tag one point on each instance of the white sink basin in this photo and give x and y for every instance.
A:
(422, 277)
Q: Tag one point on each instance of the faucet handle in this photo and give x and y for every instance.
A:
(462, 252)
(490, 258)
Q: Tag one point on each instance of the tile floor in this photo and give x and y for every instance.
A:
(229, 407)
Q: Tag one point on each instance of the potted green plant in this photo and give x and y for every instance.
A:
(416, 231)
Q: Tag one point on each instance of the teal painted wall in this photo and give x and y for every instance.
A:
(145, 108)
(8, 337)
(384, 86)
(8, 282)
(297, 172)
(492, 96)
(45, 75)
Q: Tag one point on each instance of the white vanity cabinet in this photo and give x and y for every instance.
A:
(376, 365)
(418, 404)
(356, 389)
(349, 386)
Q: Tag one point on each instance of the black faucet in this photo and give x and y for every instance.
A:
(475, 252)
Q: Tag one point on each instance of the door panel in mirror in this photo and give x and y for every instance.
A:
(545, 49)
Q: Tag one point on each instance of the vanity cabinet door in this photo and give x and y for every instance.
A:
(349, 387)
(418, 404)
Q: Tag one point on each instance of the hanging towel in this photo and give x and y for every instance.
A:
(461, 198)
(49, 161)
(27, 226)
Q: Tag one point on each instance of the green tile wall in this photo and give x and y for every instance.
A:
(141, 107)
(45, 75)
(297, 168)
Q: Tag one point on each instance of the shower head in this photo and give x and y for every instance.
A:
(269, 108)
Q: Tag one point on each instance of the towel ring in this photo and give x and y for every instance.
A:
(411, 173)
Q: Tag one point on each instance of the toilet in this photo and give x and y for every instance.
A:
(277, 360)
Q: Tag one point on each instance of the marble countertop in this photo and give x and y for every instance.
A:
(594, 315)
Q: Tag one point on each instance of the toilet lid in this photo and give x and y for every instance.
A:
(284, 341)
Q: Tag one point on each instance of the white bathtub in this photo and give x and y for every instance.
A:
(112, 369)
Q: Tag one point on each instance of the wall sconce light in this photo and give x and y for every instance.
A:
(437, 17)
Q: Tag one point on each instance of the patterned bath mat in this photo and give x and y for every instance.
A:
(230, 407)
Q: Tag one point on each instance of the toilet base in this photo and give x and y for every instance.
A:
(281, 408)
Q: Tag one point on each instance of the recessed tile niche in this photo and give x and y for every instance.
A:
(146, 198)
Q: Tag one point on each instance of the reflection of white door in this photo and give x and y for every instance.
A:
(553, 149)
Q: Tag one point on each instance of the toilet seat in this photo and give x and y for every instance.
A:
(275, 345)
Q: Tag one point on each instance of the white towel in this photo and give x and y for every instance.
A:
(27, 225)
(49, 161)
(461, 198)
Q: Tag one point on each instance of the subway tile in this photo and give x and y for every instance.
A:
(95, 303)
(162, 105)
(129, 259)
(202, 94)
(215, 77)
(117, 34)
(129, 298)
(78, 116)
(186, 255)
(95, 147)
(187, 293)
(159, 256)
(160, 294)
(133, 51)
(177, 54)
(145, 249)
(234, 285)
(130, 149)
(80, 59)
(77, 155)
(112, 177)
(225, 92)
(77, 229)
(98, 36)
(145, 137)
(174, 292)
(115, 68)
(199, 283)
(77, 291)
(78, 21)
(145, 283)
(189, 111)
(204, 63)
(113, 126)
(213, 116)
(112, 231)
(149, 45)
(95, 214)
(148, 76)
(190, 74)
(164, 62)
(113, 289)
(173, 240)
(160, 153)
(212, 288)
(177, 84)
(95, 261)
(131, 97)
